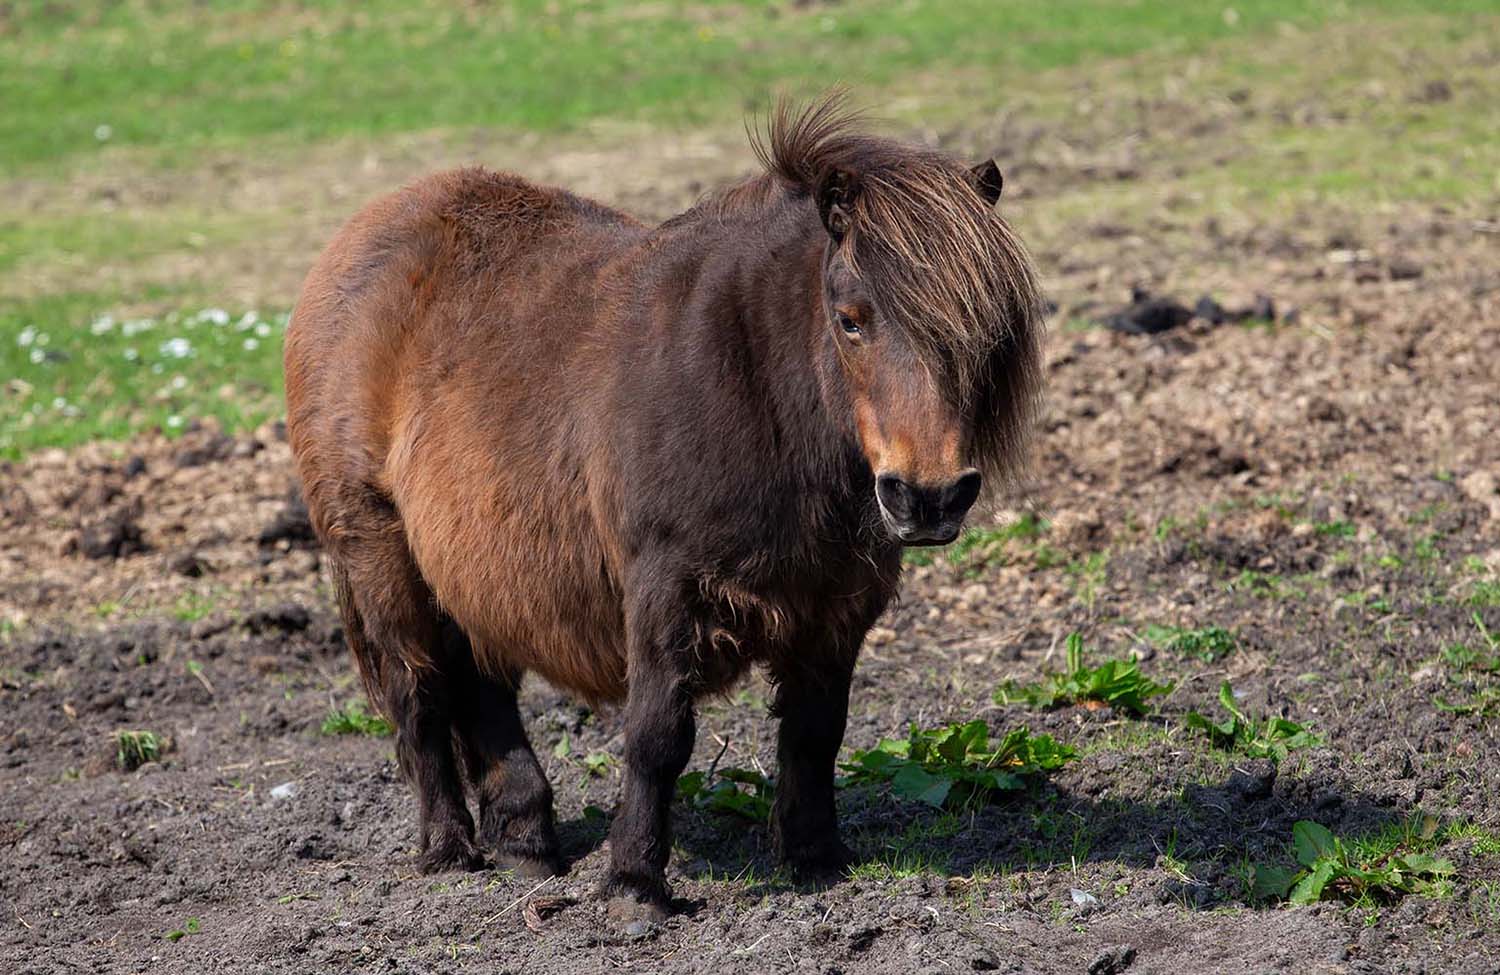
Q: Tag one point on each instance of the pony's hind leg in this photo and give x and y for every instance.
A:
(515, 800)
(395, 634)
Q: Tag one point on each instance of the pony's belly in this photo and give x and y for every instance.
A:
(527, 580)
(545, 615)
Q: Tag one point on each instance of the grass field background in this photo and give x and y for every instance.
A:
(135, 291)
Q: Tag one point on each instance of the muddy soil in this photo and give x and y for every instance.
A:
(1323, 485)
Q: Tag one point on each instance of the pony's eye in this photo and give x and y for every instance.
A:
(849, 325)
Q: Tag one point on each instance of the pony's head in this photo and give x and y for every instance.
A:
(932, 313)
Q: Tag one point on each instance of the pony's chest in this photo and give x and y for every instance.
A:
(744, 621)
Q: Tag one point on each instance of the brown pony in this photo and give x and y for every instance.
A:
(537, 435)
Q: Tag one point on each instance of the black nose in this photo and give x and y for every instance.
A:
(927, 514)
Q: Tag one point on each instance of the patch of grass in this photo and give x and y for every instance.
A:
(353, 719)
(80, 374)
(88, 75)
(926, 555)
(1335, 529)
(1473, 672)
(1117, 684)
(1486, 841)
(1274, 738)
(594, 764)
(740, 792)
(1365, 600)
(1046, 556)
(1426, 513)
(192, 606)
(1426, 548)
(1483, 702)
(1089, 575)
(1362, 871)
(1483, 594)
(1265, 585)
(956, 765)
(977, 547)
(135, 748)
(1208, 643)
(1462, 657)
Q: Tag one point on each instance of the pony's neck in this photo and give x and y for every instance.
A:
(781, 304)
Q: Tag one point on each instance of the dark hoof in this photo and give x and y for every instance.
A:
(452, 852)
(822, 862)
(626, 909)
(531, 868)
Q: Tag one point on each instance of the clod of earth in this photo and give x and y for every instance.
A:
(114, 536)
(1151, 315)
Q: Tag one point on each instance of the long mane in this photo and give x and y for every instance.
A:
(936, 256)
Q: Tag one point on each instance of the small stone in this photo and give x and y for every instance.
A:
(114, 536)
(860, 936)
(187, 564)
(1403, 269)
(1480, 486)
(246, 448)
(1112, 960)
(1253, 780)
(285, 618)
(210, 626)
(1082, 897)
(1263, 308)
(286, 790)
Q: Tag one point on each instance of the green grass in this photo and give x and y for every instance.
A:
(78, 375)
(1208, 644)
(1335, 529)
(1483, 593)
(1481, 655)
(243, 70)
(135, 748)
(978, 548)
(1117, 684)
(353, 719)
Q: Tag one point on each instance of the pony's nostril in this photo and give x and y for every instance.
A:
(895, 496)
(959, 497)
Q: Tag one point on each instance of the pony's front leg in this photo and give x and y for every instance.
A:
(812, 701)
(659, 729)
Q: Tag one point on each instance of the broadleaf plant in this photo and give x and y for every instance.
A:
(955, 765)
(1273, 738)
(1329, 867)
(729, 791)
(1117, 684)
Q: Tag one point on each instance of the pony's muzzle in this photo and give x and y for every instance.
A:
(926, 514)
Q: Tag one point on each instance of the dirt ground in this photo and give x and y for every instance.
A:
(1324, 486)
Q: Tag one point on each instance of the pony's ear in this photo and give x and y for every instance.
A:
(836, 193)
(988, 181)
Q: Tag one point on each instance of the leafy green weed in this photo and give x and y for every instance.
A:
(955, 765)
(1118, 684)
(1273, 738)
